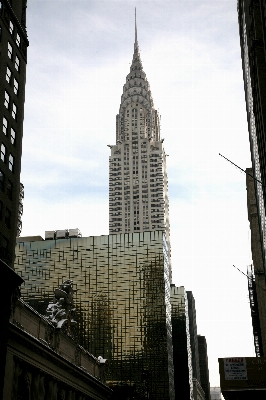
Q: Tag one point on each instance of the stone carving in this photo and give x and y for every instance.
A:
(103, 368)
(61, 309)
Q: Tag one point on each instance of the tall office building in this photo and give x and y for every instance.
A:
(13, 50)
(138, 185)
(252, 30)
(122, 302)
(13, 42)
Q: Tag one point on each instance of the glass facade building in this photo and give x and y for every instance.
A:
(122, 302)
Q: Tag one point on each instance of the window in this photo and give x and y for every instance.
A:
(13, 136)
(11, 27)
(15, 86)
(8, 74)
(17, 62)
(2, 181)
(18, 39)
(3, 246)
(5, 123)
(9, 189)
(3, 152)
(14, 111)
(9, 50)
(7, 217)
(11, 162)
(6, 102)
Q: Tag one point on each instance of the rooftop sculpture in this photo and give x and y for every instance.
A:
(61, 309)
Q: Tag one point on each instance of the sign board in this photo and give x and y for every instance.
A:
(235, 369)
(243, 373)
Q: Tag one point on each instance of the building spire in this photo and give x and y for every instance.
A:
(136, 34)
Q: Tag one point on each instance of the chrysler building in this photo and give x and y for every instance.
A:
(138, 184)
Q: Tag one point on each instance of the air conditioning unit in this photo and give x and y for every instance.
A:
(49, 235)
(61, 234)
(74, 233)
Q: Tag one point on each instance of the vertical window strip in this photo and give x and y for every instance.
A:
(5, 123)
(11, 163)
(6, 102)
(3, 152)
(9, 50)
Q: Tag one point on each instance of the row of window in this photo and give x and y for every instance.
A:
(9, 80)
(3, 157)
(6, 215)
(12, 131)
(8, 184)
(11, 30)
(7, 105)
(10, 53)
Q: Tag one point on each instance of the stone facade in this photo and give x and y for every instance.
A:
(45, 363)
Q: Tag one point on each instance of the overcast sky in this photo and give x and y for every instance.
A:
(79, 55)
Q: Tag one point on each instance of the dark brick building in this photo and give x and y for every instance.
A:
(13, 50)
(13, 45)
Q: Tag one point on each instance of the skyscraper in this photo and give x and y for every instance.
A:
(122, 302)
(252, 30)
(14, 43)
(138, 185)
